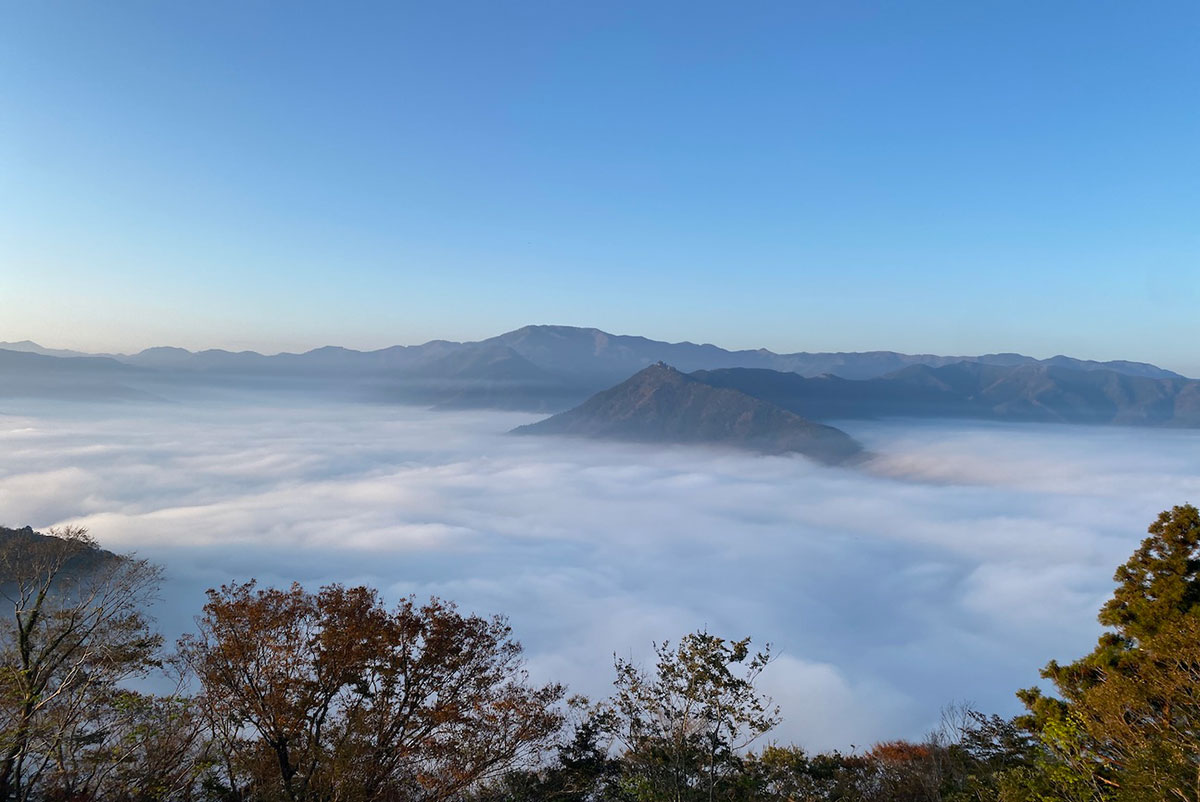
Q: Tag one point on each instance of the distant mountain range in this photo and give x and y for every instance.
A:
(551, 368)
(581, 354)
(1028, 392)
(93, 378)
(772, 411)
(659, 404)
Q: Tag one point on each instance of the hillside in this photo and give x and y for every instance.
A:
(27, 374)
(22, 547)
(662, 405)
(1025, 392)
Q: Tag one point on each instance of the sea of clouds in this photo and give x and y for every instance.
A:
(949, 569)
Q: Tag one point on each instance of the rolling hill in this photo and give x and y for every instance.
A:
(1025, 392)
(662, 405)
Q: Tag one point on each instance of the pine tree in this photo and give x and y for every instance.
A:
(1161, 581)
(1126, 724)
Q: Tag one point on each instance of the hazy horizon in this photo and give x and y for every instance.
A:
(271, 350)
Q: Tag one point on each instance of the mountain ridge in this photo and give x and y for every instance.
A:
(610, 353)
(542, 368)
(1038, 392)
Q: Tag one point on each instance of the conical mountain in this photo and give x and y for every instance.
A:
(660, 404)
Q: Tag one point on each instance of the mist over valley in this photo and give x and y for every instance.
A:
(948, 565)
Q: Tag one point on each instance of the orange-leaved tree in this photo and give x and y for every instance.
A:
(334, 696)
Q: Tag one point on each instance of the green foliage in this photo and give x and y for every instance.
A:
(684, 724)
(1126, 723)
(1161, 581)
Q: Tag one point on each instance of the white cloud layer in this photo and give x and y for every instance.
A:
(961, 560)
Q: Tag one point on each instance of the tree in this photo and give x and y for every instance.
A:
(77, 628)
(582, 769)
(332, 696)
(153, 748)
(1127, 721)
(684, 726)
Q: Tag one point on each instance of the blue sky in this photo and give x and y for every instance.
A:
(949, 177)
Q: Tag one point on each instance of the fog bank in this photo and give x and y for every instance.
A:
(960, 560)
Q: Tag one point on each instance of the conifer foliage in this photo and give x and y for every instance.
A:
(1127, 723)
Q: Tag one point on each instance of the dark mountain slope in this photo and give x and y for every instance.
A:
(1027, 392)
(77, 378)
(660, 404)
(597, 354)
(17, 546)
(30, 363)
(29, 346)
(489, 375)
(483, 362)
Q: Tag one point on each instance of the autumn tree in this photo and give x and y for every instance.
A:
(75, 629)
(333, 696)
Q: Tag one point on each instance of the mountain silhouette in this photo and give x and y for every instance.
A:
(662, 405)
